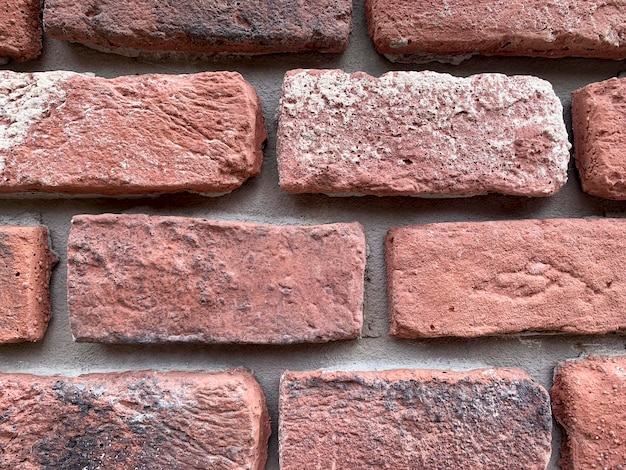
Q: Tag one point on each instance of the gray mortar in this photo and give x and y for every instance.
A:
(260, 199)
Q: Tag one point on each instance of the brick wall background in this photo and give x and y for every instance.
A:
(261, 200)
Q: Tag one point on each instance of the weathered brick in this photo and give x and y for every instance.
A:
(202, 26)
(420, 134)
(599, 121)
(589, 401)
(20, 30)
(63, 132)
(135, 420)
(25, 267)
(490, 418)
(134, 278)
(409, 31)
(482, 278)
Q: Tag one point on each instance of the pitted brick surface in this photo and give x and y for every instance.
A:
(589, 401)
(599, 122)
(25, 268)
(203, 25)
(134, 278)
(483, 278)
(63, 132)
(496, 418)
(20, 29)
(406, 30)
(420, 134)
(138, 420)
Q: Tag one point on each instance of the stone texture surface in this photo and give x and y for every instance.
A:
(204, 25)
(134, 278)
(20, 29)
(26, 262)
(139, 420)
(490, 418)
(420, 134)
(599, 122)
(62, 132)
(536, 28)
(482, 278)
(589, 401)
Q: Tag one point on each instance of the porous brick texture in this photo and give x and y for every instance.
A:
(20, 30)
(589, 401)
(490, 418)
(418, 31)
(420, 134)
(135, 278)
(599, 122)
(140, 420)
(26, 262)
(203, 26)
(483, 278)
(63, 132)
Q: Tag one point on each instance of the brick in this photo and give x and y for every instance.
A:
(213, 282)
(490, 418)
(485, 278)
(202, 26)
(599, 118)
(408, 31)
(133, 420)
(420, 134)
(26, 262)
(148, 134)
(589, 402)
(20, 30)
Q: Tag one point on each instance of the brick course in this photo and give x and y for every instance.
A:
(140, 420)
(495, 418)
(134, 278)
(420, 134)
(20, 30)
(26, 262)
(147, 134)
(483, 278)
(589, 401)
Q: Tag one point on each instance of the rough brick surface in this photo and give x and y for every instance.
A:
(204, 25)
(63, 132)
(413, 419)
(418, 31)
(482, 278)
(20, 29)
(599, 122)
(589, 401)
(140, 420)
(25, 267)
(420, 134)
(134, 278)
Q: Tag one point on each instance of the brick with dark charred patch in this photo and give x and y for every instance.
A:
(20, 29)
(491, 418)
(203, 26)
(141, 420)
(135, 278)
(26, 262)
(589, 402)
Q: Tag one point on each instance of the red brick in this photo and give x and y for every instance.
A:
(133, 420)
(202, 26)
(25, 267)
(589, 401)
(490, 418)
(599, 119)
(146, 134)
(408, 31)
(420, 134)
(484, 278)
(20, 29)
(134, 278)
